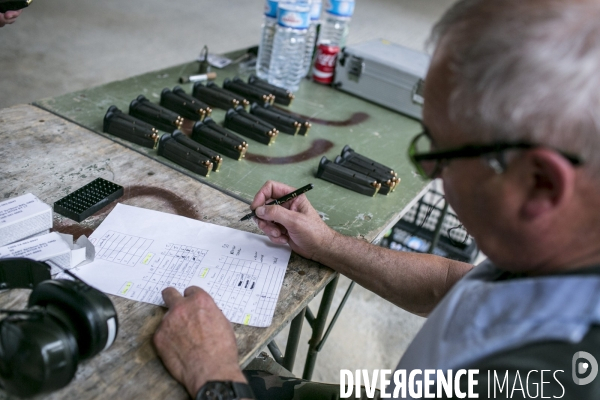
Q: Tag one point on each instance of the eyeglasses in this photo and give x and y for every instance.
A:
(429, 164)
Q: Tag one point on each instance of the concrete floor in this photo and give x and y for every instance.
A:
(59, 46)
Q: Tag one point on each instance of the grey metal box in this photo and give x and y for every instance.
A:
(384, 73)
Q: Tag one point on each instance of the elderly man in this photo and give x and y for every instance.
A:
(512, 127)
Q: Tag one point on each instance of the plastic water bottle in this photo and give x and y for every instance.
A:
(334, 31)
(289, 44)
(311, 36)
(266, 41)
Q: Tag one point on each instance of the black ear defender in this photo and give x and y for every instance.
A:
(65, 322)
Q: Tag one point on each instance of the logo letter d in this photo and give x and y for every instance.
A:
(593, 363)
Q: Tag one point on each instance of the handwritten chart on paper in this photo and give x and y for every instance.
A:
(140, 252)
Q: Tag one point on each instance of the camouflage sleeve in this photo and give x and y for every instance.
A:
(274, 387)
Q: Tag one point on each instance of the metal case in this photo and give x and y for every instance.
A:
(384, 73)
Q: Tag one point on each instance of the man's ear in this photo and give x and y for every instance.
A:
(551, 180)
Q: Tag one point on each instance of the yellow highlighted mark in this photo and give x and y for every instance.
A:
(247, 319)
(148, 258)
(204, 273)
(126, 287)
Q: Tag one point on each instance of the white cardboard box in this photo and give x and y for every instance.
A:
(23, 217)
(55, 248)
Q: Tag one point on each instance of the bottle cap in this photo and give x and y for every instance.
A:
(315, 9)
(271, 8)
(342, 8)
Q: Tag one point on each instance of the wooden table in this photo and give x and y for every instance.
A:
(50, 157)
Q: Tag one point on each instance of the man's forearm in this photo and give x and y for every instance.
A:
(415, 282)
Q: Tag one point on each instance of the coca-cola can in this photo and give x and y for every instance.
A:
(325, 63)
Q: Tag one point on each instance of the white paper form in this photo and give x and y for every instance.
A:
(140, 252)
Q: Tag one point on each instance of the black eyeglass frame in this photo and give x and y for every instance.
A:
(469, 151)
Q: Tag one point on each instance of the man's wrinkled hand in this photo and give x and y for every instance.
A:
(196, 341)
(295, 222)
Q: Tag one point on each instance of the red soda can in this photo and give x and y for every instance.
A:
(325, 63)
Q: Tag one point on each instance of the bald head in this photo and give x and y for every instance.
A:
(525, 70)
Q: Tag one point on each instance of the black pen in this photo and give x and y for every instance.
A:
(283, 199)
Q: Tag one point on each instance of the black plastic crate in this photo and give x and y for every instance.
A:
(415, 231)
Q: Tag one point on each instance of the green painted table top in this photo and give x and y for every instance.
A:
(369, 129)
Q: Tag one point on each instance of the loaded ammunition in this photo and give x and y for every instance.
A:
(347, 178)
(159, 117)
(170, 149)
(282, 96)
(304, 124)
(253, 93)
(241, 99)
(284, 123)
(238, 120)
(13, 5)
(219, 139)
(357, 162)
(212, 155)
(388, 182)
(185, 105)
(214, 97)
(353, 157)
(129, 128)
